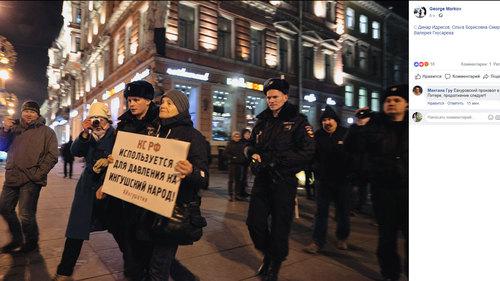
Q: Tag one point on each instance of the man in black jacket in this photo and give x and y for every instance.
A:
(386, 142)
(358, 163)
(235, 155)
(330, 167)
(68, 158)
(281, 145)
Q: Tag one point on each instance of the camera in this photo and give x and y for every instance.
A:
(95, 122)
(365, 113)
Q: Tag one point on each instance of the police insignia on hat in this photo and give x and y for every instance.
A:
(397, 90)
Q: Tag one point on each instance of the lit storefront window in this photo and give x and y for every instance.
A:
(221, 116)
(253, 106)
(309, 110)
(183, 88)
(192, 93)
(115, 109)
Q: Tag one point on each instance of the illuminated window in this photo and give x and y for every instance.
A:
(362, 98)
(95, 26)
(375, 105)
(375, 30)
(254, 104)
(363, 24)
(221, 116)
(349, 18)
(349, 95)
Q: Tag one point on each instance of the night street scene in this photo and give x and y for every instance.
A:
(204, 140)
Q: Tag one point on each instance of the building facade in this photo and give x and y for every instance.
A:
(218, 53)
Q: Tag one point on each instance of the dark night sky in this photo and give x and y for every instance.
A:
(31, 27)
(398, 7)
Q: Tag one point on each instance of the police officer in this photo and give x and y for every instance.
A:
(385, 139)
(140, 118)
(281, 145)
(330, 166)
(358, 164)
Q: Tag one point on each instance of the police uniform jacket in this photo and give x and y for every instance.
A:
(386, 143)
(286, 140)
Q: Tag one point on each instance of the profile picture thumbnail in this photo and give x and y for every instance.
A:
(417, 117)
(420, 12)
(417, 90)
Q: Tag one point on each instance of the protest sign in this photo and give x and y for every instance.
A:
(143, 171)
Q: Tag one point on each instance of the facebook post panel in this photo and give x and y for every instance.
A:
(454, 80)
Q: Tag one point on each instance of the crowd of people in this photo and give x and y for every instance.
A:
(372, 152)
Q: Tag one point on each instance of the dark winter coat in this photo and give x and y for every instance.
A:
(286, 140)
(82, 218)
(32, 153)
(146, 126)
(354, 144)
(331, 158)
(181, 128)
(386, 144)
(66, 152)
(234, 152)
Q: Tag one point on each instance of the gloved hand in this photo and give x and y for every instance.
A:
(100, 165)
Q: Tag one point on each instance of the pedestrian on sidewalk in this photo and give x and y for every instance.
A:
(246, 134)
(68, 158)
(140, 118)
(282, 144)
(331, 168)
(236, 158)
(385, 138)
(358, 164)
(175, 123)
(95, 143)
(28, 163)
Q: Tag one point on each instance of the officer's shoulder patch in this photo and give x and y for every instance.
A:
(309, 131)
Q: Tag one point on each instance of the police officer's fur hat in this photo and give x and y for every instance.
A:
(276, 84)
(365, 113)
(141, 88)
(329, 112)
(397, 90)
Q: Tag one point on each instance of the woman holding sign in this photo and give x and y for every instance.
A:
(175, 123)
(95, 143)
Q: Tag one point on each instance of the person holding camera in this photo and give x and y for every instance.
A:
(28, 163)
(94, 143)
(282, 144)
(330, 168)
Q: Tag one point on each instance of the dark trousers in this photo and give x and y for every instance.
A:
(391, 212)
(340, 194)
(162, 259)
(71, 252)
(70, 164)
(27, 197)
(235, 183)
(275, 199)
(308, 185)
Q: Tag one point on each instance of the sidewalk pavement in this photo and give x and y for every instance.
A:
(225, 253)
